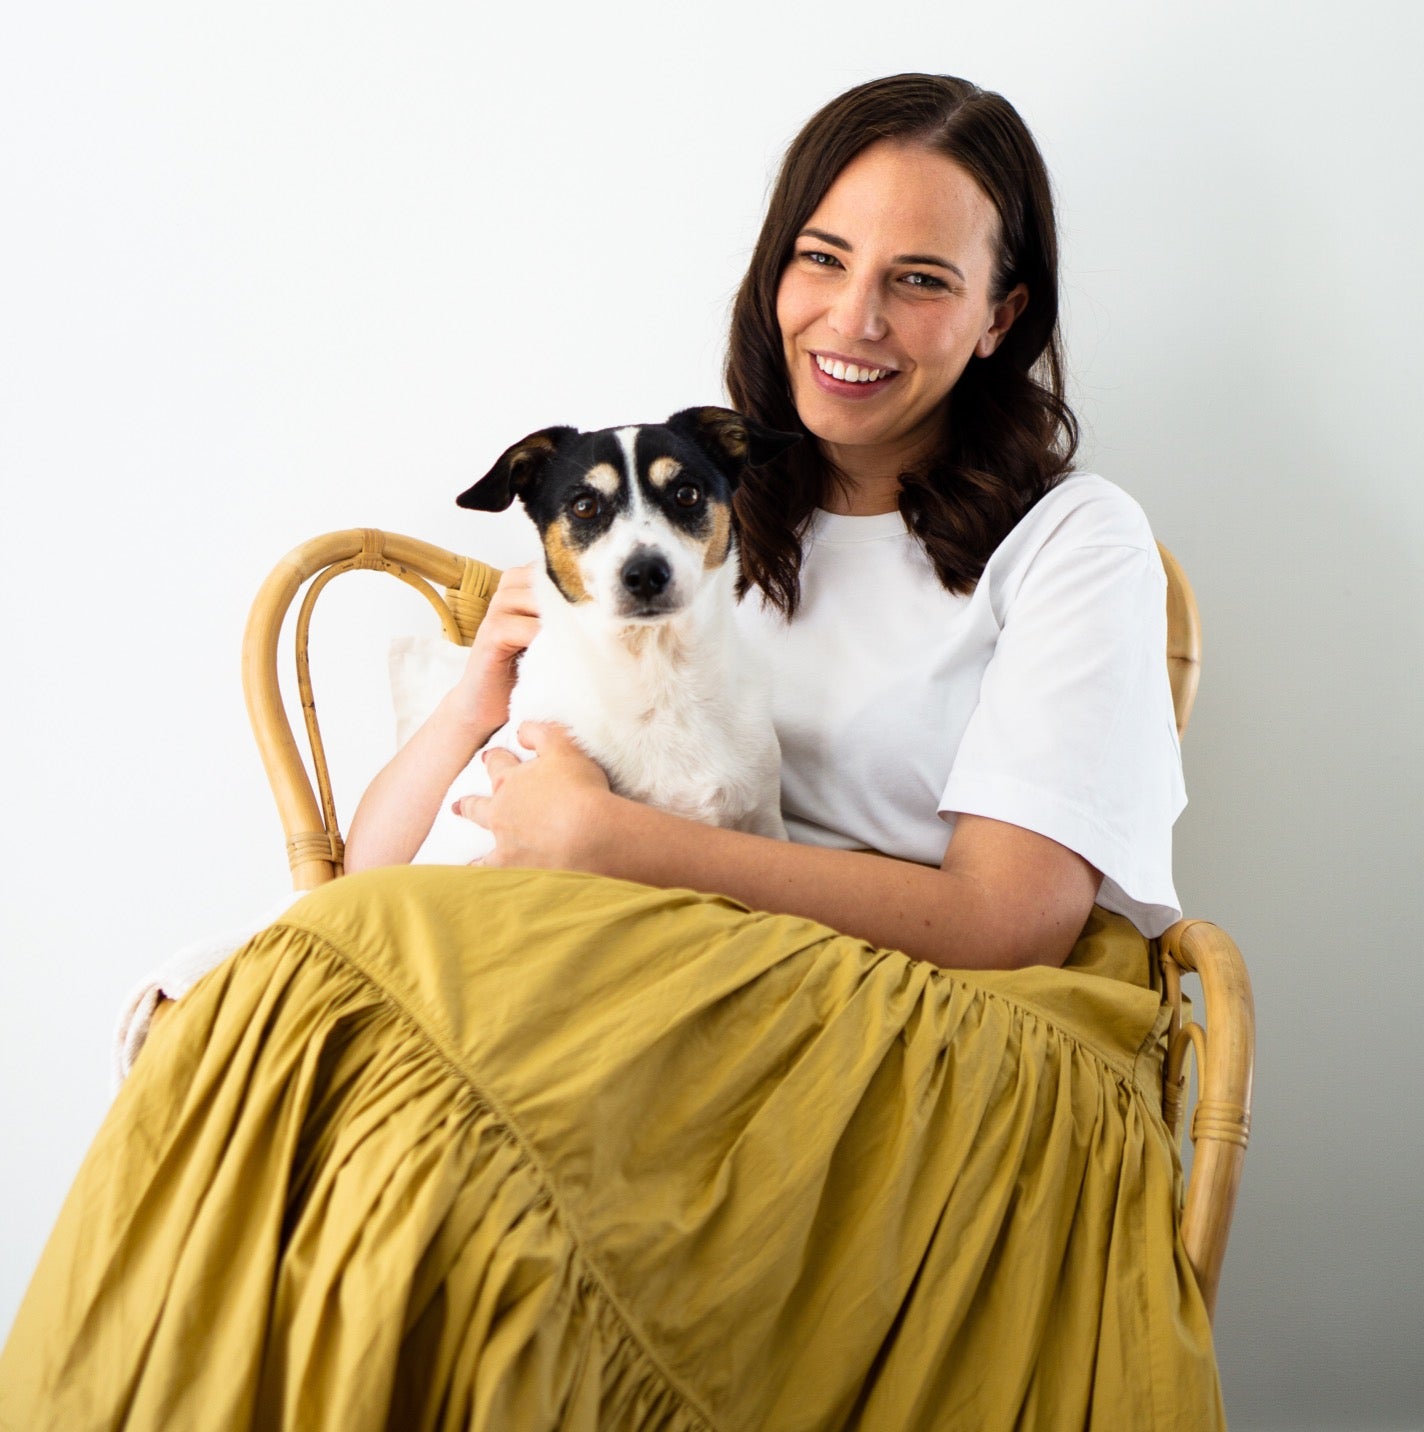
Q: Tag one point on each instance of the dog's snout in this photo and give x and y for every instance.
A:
(645, 574)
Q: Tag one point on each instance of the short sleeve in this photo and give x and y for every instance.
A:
(1073, 735)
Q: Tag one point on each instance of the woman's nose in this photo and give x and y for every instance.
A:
(858, 312)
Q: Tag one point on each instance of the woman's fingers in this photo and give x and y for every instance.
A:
(519, 630)
(475, 808)
(533, 806)
(512, 620)
(510, 624)
(499, 763)
(546, 738)
(515, 591)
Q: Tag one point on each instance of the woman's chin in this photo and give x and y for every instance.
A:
(839, 423)
(851, 440)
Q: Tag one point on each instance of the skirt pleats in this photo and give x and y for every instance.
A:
(513, 1150)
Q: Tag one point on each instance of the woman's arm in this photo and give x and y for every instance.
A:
(400, 805)
(1002, 897)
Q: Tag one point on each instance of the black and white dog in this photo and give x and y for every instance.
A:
(638, 651)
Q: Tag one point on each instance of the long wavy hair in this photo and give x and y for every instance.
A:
(1009, 435)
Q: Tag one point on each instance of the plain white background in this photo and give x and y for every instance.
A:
(268, 270)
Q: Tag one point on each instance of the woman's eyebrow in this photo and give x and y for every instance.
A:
(836, 242)
(933, 262)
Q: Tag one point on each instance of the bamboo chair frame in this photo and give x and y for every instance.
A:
(1221, 1121)
(314, 844)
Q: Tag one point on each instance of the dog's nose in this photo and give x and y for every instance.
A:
(645, 574)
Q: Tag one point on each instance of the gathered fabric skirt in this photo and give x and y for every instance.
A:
(513, 1150)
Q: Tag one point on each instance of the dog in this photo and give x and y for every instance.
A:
(638, 651)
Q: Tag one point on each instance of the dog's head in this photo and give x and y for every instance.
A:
(632, 519)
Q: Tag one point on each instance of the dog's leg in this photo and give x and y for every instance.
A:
(766, 818)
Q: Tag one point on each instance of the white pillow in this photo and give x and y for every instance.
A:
(423, 669)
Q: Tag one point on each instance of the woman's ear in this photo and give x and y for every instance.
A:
(1002, 318)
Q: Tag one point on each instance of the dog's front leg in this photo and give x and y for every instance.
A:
(766, 818)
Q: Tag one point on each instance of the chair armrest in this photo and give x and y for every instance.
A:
(1225, 1051)
(314, 846)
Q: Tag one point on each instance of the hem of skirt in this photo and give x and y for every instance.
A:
(511, 1130)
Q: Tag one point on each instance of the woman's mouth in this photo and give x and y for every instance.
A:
(849, 380)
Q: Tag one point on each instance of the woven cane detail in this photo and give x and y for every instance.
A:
(1221, 1120)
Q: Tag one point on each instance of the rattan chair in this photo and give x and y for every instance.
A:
(459, 589)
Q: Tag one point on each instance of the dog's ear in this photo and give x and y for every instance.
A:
(518, 468)
(733, 442)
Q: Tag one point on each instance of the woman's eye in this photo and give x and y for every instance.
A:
(585, 507)
(818, 258)
(688, 495)
(924, 280)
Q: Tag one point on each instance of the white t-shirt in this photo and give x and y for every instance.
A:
(1041, 699)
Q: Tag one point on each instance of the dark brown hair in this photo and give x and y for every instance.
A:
(1009, 435)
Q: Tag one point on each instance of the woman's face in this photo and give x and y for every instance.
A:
(885, 300)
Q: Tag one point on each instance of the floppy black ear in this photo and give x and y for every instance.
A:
(516, 471)
(730, 440)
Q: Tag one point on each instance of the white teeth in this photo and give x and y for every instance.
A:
(849, 372)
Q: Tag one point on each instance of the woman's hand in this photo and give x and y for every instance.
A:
(540, 812)
(510, 624)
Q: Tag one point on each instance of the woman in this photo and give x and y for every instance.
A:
(526, 1147)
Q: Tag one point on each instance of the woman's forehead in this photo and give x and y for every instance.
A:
(897, 199)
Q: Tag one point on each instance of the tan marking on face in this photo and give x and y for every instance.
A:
(720, 541)
(603, 477)
(663, 470)
(563, 564)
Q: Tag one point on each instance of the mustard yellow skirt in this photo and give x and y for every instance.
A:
(512, 1151)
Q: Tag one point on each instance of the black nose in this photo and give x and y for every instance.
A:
(645, 574)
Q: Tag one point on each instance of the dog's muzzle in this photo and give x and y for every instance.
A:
(646, 577)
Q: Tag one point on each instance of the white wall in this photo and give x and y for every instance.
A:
(267, 271)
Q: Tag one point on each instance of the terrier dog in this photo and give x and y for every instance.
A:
(638, 651)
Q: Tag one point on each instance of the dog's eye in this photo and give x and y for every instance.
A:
(585, 506)
(688, 495)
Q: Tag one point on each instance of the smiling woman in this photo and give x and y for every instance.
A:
(911, 230)
(655, 1124)
(878, 323)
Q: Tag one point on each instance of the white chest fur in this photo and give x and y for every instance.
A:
(677, 714)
